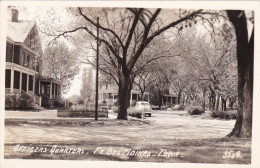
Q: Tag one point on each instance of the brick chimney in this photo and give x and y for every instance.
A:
(14, 13)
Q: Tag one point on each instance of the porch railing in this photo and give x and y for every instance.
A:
(36, 99)
(7, 91)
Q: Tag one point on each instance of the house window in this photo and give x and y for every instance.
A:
(17, 54)
(24, 58)
(7, 78)
(24, 82)
(30, 39)
(43, 89)
(28, 58)
(30, 82)
(115, 96)
(9, 52)
(110, 96)
(16, 79)
(33, 63)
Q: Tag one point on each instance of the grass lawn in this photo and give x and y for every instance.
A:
(117, 140)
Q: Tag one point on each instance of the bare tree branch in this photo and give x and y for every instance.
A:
(101, 27)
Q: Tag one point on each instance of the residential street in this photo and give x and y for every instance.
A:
(167, 136)
(165, 125)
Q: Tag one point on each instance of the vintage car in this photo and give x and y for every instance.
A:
(178, 107)
(140, 108)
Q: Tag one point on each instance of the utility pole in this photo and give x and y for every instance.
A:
(96, 108)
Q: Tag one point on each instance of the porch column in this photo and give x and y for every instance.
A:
(113, 97)
(131, 97)
(27, 84)
(34, 84)
(12, 80)
(106, 96)
(39, 87)
(20, 82)
(162, 101)
(50, 90)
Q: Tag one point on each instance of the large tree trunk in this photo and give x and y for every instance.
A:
(204, 104)
(179, 98)
(160, 99)
(245, 60)
(142, 94)
(214, 102)
(231, 102)
(124, 91)
(224, 104)
(210, 106)
(217, 106)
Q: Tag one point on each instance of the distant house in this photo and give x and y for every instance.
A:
(169, 98)
(23, 63)
(108, 92)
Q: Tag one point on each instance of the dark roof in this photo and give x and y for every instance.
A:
(45, 79)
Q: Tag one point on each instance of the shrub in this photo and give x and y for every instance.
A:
(90, 105)
(116, 103)
(195, 110)
(134, 113)
(77, 107)
(8, 101)
(25, 101)
(20, 101)
(77, 111)
(59, 104)
(81, 102)
(103, 103)
(115, 109)
(227, 115)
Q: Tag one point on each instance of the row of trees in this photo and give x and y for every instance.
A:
(134, 41)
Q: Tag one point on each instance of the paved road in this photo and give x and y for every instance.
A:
(164, 126)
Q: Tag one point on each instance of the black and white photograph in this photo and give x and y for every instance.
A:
(128, 84)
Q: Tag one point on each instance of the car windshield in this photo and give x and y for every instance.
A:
(143, 103)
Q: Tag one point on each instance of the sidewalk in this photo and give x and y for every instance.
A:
(30, 114)
(47, 114)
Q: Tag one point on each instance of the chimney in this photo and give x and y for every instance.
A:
(15, 14)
